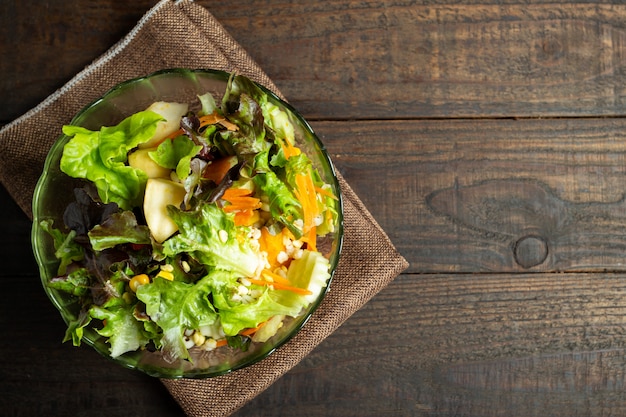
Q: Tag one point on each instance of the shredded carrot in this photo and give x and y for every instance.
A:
(207, 119)
(242, 205)
(325, 193)
(275, 277)
(306, 193)
(236, 192)
(290, 150)
(251, 331)
(310, 238)
(221, 342)
(210, 119)
(240, 200)
(246, 217)
(272, 245)
(279, 286)
(287, 233)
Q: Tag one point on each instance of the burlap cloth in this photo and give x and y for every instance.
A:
(368, 262)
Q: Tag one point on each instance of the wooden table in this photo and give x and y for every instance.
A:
(487, 139)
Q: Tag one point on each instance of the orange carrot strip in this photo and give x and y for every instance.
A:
(243, 201)
(310, 186)
(288, 234)
(245, 218)
(235, 192)
(251, 331)
(307, 196)
(272, 245)
(325, 193)
(210, 119)
(311, 239)
(240, 200)
(279, 286)
(289, 150)
(234, 208)
(241, 207)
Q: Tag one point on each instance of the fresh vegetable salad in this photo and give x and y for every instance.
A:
(196, 229)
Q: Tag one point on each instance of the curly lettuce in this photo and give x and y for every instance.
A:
(176, 306)
(209, 235)
(101, 156)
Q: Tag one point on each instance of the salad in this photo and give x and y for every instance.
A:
(195, 228)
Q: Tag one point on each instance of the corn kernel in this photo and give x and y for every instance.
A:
(209, 344)
(166, 275)
(138, 280)
(198, 338)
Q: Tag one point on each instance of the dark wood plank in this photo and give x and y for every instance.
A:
(438, 59)
(486, 211)
(468, 345)
(348, 59)
(491, 195)
(472, 344)
(44, 44)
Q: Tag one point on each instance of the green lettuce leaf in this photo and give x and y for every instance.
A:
(117, 229)
(100, 156)
(238, 315)
(283, 203)
(75, 328)
(125, 333)
(176, 154)
(211, 237)
(66, 249)
(278, 120)
(176, 306)
(77, 283)
(207, 101)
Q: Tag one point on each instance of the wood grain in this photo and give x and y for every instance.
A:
(349, 59)
(405, 59)
(468, 345)
(491, 195)
(486, 137)
(44, 44)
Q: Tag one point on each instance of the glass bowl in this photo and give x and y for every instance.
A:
(54, 192)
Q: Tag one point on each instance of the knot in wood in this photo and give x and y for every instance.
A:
(530, 250)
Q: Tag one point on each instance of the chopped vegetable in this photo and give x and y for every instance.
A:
(194, 231)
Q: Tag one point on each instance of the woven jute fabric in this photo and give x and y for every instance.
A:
(368, 261)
